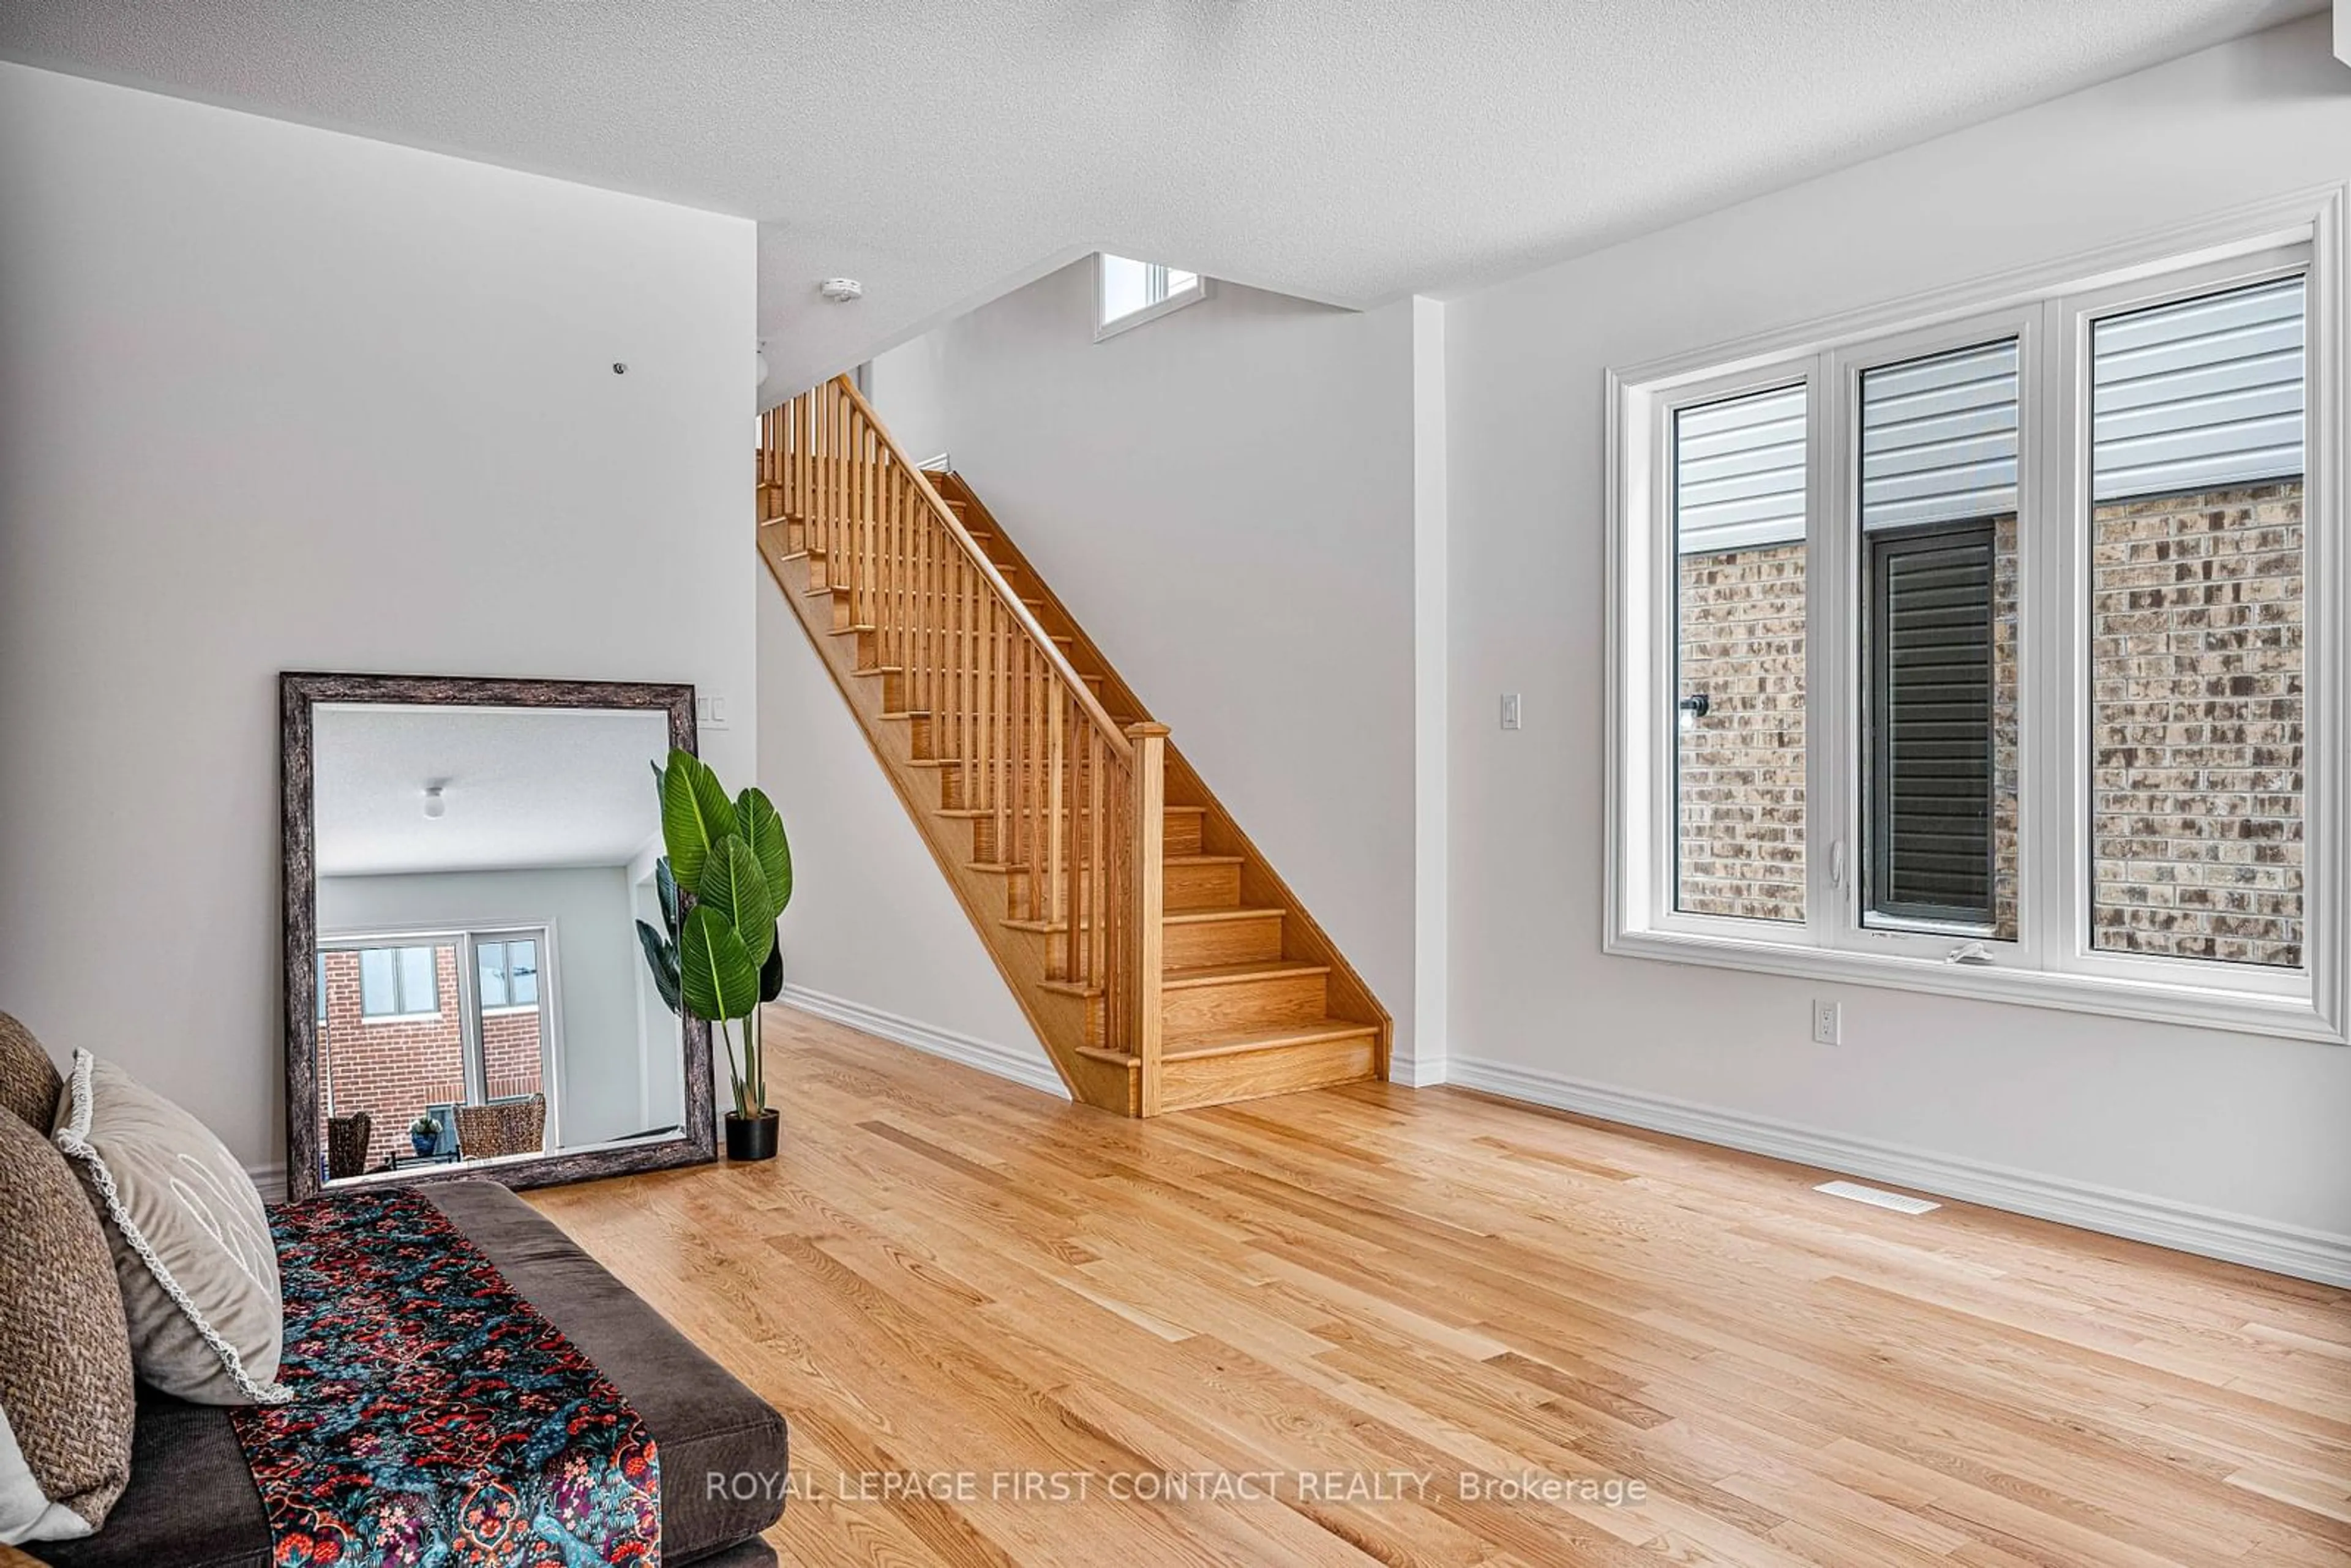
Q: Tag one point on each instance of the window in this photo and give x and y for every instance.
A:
(398, 982)
(2197, 616)
(1739, 531)
(510, 973)
(1937, 448)
(1980, 651)
(1128, 293)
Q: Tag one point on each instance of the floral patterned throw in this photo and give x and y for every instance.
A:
(438, 1421)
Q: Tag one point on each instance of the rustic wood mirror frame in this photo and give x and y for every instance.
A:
(298, 694)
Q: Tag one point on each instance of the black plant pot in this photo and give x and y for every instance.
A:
(751, 1137)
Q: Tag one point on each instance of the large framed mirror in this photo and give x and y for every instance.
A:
(466, 865)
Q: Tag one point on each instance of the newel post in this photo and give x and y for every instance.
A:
(1150, 742)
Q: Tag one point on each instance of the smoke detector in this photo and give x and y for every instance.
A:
(841, 290)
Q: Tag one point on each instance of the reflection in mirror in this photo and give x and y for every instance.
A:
(479, 874)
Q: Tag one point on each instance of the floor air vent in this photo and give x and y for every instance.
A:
(1898, 1202)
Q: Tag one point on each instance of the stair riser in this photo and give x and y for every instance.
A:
(985, 848)
(1198, 945)
(953, 795)
(1203, 886)
(1219, 1080)
(918, 730)
(1191, 1011)
(1183, 833)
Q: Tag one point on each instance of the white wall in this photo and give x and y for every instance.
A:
(2180, 1117)
(908, 387)
(601, 1068)
(1224, 497)
(273, 398)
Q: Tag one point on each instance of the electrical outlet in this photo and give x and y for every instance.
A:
(1509, 710)
(1828, 1022)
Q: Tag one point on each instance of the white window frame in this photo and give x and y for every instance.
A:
(1200, 287)
(2048, 308)
(421, 1015)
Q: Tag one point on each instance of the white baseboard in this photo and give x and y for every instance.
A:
(2186, 1227)
(1415, 1073)
(1032, 1069)
(269, 1180)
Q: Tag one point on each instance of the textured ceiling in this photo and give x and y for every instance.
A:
(1348, 151)
(522, 787)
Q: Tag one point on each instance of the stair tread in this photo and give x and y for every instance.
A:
(1239, 974)
(1239, 1043)
(1163, 860)
(1232, 1042)
(976, 811)
(1242, 912)
(1172, 917)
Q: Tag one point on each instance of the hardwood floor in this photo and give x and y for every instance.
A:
(949, 1277)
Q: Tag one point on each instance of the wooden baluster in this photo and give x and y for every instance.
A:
(903, 577)
(1016, 795)
(992, 629)
(1149, 837)
(933, 597)
(999, 738)
(1097, 859)
(861, 505)
(823, 499)
(869, 470)
(1055, 828)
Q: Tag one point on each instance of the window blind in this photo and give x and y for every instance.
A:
(1938, 438)
(1931, 719)
(1738, 472)
(2198, 394)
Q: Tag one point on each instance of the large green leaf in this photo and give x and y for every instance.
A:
(733, 884)
(661, 957)
(665, 885)
(716, 975)
(771, 974)
(695, 814)
(756, 820)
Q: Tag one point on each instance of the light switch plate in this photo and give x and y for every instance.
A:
(1509, 710)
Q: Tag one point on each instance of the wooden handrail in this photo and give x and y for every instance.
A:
(1033, 753)
(1021, 616)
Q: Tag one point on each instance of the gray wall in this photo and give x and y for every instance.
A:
(273, 398)
(601, 1068)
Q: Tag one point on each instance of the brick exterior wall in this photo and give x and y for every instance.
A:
(393, 1070)
(510, 1058)
(2197, 617)
(2197, 671)
(1740, 779)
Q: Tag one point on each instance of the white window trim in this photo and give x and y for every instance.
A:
(2051, 963)
(1201, 288)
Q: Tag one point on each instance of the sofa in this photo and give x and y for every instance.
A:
(191, 1502)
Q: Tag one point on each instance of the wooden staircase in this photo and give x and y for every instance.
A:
(1161, 960)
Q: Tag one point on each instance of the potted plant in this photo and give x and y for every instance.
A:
(424, 1133)
(727, 877)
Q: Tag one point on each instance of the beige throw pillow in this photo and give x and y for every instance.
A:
(191, 1240)
(64, 1358)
